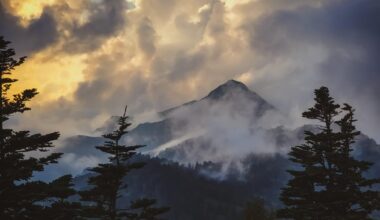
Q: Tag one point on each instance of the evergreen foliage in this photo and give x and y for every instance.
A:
(61, 208)
(256, 210)
(108, 181)
(192, 194)
(144, 210)
(20, 197)
(330, 182)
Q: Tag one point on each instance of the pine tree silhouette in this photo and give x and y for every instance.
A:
(144, 210)
(61, 208)
(20, 197)
(329, 183)
(256, 210)
(108, 181)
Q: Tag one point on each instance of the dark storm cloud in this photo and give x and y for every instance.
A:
(356, 62)
(342, 24)
(39, 34)
(106, 19)
(347, 32)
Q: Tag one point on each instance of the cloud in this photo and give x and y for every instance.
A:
(162, 53)
(226, 129)
(335, 45)
(37, 35)
(105, 19)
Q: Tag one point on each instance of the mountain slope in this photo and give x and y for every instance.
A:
(194, 196)
(227, 114)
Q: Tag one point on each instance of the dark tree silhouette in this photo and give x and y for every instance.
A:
(108, 181)
(61, 208)
(329, 183)
(144, 210)
(20, 197)
(256, 210)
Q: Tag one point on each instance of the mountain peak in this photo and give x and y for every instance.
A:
(234, 83)
(233, 90)
(230, 91)
(228, 87)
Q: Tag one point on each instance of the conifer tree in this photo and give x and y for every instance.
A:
(20, 197)
(256, 210)
(353, 196)
(108, 180)
(143, 209)
(60, 208)
(329, 182)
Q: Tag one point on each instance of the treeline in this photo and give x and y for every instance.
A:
(192, 195)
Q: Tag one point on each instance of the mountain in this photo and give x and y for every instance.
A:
(200, 121)
(223, 127)
(218, 152)
(231, 100)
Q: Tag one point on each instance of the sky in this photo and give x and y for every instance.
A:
(88, 58)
